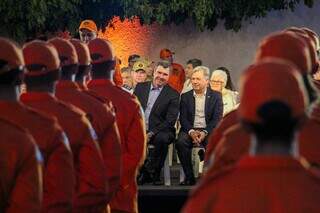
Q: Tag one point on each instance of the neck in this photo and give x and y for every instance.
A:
(103, 75)
(9, 93)
(200, 91)
(273, 148)
(156, 85)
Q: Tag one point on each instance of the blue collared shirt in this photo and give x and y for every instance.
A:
(153, 95)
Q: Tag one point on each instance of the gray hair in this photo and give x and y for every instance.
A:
(222, 74)
(205, 70)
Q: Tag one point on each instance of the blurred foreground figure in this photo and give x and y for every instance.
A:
(58, 174)
(274, 178)
(43, 69)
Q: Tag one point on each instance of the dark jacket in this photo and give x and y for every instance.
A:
(213, 110)
(165, 110)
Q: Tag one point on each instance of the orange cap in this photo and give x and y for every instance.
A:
(101, 50)
(82, 51)
(311, 47)
(271, 80)
(10, 54)
(40, 58)
(67, 52)
(165, 54)
(89, 25)
(314, 37)
(286, 46)
(295, 29)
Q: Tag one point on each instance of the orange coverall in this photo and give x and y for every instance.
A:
(177, 77)
(58, 173)
(103, 121)
(91, 182)
(20, 170)
(133, 140)
(278, 184)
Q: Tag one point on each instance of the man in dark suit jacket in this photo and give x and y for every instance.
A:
(200, 111)
(161, 107)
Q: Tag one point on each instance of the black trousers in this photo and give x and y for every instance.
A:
(157, 154)
(184, 147)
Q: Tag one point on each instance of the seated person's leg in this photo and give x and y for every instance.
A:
(161, 142)
(184, 146)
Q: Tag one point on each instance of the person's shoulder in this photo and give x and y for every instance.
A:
(187, 95)
(42, 119)
(128, 98)
(15, 134)
(95, 95)
(213, 92)
(143, 84)
(9, 125)
(172, 91)
(123, 93)
(69, 110)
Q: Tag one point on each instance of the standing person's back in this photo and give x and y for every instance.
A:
(20, 171)
(54, 146)
(90, 189)
(101, 118)
(55, 149)
(129, 120)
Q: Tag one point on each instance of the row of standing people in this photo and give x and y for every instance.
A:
(91, 136)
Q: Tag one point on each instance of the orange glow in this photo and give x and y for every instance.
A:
(129, 37)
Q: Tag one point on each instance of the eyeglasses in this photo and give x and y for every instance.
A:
(216, 82)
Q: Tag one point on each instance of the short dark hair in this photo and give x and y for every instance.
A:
(195, 62)
(103, 69)
(164, 63)
(133, 57)
(277, 123)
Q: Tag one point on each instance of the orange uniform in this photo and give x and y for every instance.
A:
(233, 145)
(88, 163)
(177, 77)
(258, 184)
(228, 120)
(117, 78)
(103, 121)
(132, 133)
(236, 143)
(20, 170)
(58, 174)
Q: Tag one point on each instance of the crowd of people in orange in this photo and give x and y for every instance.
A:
(79, 133)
